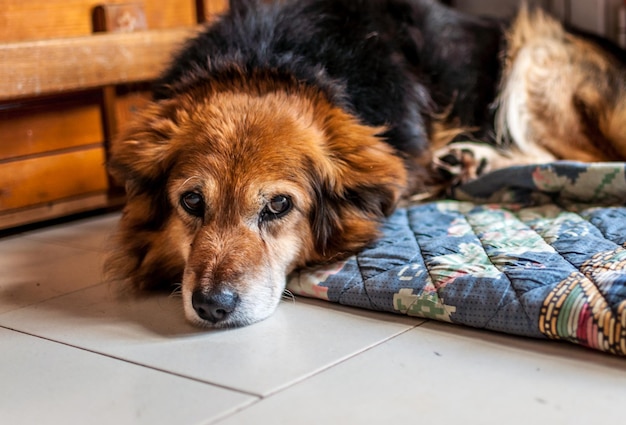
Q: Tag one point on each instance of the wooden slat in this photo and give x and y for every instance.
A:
(29, 132)
(22, 20)
(53, 177)
(51, 66)
(58, 209)
(127, 17)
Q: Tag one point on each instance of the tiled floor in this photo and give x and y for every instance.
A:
(74, 352)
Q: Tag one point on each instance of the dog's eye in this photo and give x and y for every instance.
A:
(277, 207)
(193, 203)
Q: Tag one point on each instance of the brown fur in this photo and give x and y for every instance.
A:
(235, 146)
(560, 97)
(575, 93)
(238, 144)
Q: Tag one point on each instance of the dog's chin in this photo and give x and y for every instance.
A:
(253, 307)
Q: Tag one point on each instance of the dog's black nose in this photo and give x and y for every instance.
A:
(214, 306)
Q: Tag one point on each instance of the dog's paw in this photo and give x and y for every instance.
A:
(462, 162)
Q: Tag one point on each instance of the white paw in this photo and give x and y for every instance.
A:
(463, 161)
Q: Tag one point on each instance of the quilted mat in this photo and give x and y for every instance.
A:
(538, 251)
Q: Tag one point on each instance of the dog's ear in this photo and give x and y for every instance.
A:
(141, 158)
(145, 151)
(357, 184)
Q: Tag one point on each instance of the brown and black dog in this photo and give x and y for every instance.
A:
(282, 135)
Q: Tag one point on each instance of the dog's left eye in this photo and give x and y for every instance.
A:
(277, 207)
(192, 203)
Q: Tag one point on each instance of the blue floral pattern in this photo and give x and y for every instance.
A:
(538, 251)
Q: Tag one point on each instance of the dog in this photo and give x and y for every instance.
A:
(283, 134)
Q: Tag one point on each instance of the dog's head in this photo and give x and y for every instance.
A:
(230, 190)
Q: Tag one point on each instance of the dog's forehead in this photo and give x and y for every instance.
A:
(249, 170)
(252, 154)
(254, 137)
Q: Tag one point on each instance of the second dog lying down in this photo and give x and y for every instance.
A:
(282, 135)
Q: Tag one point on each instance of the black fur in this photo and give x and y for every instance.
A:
(397, 63)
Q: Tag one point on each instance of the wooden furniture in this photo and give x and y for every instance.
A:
(71, 73)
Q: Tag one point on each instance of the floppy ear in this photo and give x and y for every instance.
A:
(144, 152)
(145, 255)
(357, 184)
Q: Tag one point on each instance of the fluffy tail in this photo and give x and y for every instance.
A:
(530, 26)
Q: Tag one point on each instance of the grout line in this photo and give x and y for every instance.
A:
(135, 363)
(257, 397)
(317, 372)
(64, 244)
(54, 297)
(35, 236)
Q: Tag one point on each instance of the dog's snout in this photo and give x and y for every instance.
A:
(214, 306)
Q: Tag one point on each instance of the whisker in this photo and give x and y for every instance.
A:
(177, 292)
(188, 180)
(288, 295)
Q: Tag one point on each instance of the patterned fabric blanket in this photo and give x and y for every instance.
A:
(536, 250)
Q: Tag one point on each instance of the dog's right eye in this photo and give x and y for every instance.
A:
(193, 203)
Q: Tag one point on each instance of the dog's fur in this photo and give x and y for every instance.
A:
(282, 135)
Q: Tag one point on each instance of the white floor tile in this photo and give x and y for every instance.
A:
(299, 340)
(92, 233)
(48, 383)
(33, 271)
(137, 361)
(453, 375)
